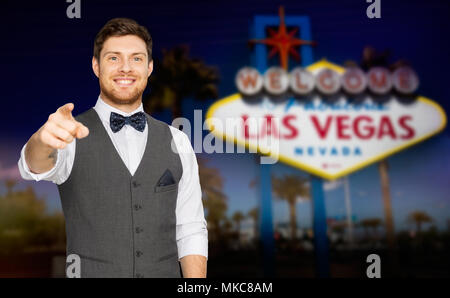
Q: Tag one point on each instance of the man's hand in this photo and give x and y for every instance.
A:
(59, 131)
(193, 266)
(61, 128)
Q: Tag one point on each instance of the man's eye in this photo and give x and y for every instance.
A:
(113, 58)
(137, 59)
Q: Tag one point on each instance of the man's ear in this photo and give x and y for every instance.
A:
(150, 68)
(95, 66)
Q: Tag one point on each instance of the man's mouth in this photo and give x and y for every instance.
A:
(124, 82)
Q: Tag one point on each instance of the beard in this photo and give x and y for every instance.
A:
(124, 98)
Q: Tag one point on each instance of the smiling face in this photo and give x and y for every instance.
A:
(123, 70)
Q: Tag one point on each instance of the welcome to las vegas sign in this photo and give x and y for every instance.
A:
(328, 140)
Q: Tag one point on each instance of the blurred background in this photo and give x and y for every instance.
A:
(198, 48)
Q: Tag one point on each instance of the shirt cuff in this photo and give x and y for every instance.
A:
(26, 173)
(196, 244)
(192, 239)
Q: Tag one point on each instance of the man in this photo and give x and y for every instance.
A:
(128, 183)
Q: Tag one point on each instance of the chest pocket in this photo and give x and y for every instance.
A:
(165, 188)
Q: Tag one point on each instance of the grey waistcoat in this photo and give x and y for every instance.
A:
(122, 225)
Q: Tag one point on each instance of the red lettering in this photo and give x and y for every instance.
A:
(322, 131)
(404, 79)
(249, 79)
(269, 127)
(341, 126)
(298, 81)
(386, 128)
(274, 80)
(325, 80)
(369, 130)
(410, 131)
(246, 128)
(378, 78)
(353, 80)
(292, 129)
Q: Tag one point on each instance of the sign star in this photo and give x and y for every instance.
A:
(283, 42)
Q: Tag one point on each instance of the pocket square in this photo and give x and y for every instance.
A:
(166, 179)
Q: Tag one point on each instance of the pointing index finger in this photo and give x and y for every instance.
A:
(66, 110)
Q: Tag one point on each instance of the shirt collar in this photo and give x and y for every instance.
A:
(104, 110)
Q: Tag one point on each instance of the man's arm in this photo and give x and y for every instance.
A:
(191, 229)
(193, 266)
(39, 158)
(59, 131)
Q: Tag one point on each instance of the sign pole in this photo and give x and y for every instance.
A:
(348, 207)
(320, 228)
(266, 225)
(265, 185)
(259, 60)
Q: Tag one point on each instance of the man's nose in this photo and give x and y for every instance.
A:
(125, 66)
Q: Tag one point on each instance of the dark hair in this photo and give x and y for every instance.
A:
(121, 27)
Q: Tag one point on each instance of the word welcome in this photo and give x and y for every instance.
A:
(327, 81)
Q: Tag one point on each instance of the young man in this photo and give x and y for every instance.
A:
(128, 183)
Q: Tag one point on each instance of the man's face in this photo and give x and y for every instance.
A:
(123, 69)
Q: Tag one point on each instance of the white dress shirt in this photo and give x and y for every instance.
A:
(191, 232)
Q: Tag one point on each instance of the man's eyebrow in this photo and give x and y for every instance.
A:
(118, 53)
(110, 52)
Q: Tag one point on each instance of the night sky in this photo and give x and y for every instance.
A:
(46, 62)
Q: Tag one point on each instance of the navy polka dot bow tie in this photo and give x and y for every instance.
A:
(137, 120)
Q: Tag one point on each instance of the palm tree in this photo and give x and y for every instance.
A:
(371, 224)
(254, 215)
(371, 58)
(238, 217)
(214, 200)
(290, 188)
(419, 217)
(383, 168)
(176, 77)
(227, 226)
